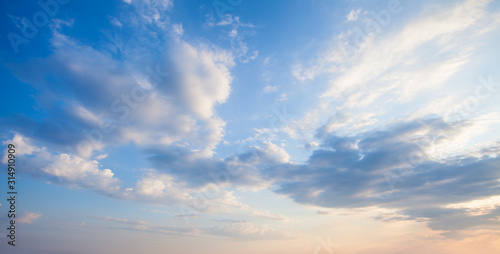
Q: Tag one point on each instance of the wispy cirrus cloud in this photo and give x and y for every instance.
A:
(29, 217)
(388, 71)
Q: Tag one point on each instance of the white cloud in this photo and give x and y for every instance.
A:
(268, 215)
(151, 187)
(479, 206)
(122, 220)
(177, 29)
(149, 105)
(353, 15)
(114, 21)
(311, 144)
(161, 188)
(248, 230)
(22, 147)
(270, 89)
(82, 172)
(68, 169)
(154, 185)
(28, 217)
(101, 156)
(269, 152)
(139, 225)
(385, 73)
(204, 76)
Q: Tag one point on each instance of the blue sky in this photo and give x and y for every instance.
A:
(252, 126)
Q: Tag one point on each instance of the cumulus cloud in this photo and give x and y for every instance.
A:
(263, 153)
(84, 173)
(151, 98)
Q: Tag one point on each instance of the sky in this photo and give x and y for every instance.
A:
(237, 126)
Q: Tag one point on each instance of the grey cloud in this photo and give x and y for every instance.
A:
(351, 172)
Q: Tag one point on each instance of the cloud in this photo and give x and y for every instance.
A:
(153, 11)
(345, 123)
(189, 215)
(396, 168)
(138, 225)
(268, 215)
(241, 230)
(270, 89)
(84, 173)
(197, 171)
(270, 153)
(311, 145)
(28, 217)
(169, 111)
(152, 95)
(121, 220)
(353, 15)
(65, 169)
(247, 230)
(236, 30)
(388, 71)
(102, 156)
(369, 64)
(181, 178)
(203, 75)
(23, 147)
(228, 220)
(478, 207)
(152, 187)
